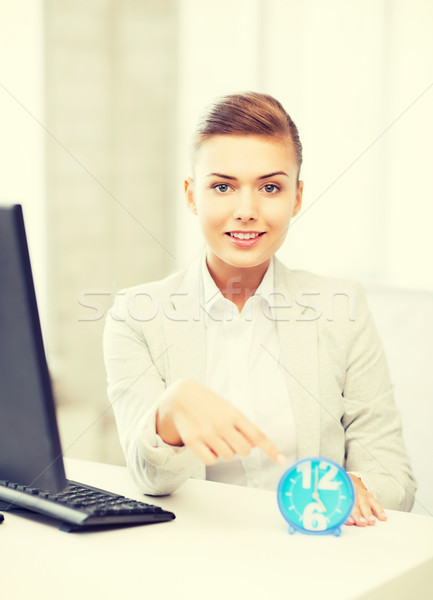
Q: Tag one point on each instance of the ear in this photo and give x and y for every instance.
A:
(189, 195)
(298, 201)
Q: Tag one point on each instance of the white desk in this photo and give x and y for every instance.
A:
(227, 542)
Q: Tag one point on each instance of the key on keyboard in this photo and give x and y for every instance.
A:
(81, 506)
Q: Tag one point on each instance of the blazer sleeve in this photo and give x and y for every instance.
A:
(373, 431)
(135, 384)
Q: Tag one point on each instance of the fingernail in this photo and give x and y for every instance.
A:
(281, 459)
(363, 520)
(383, 515)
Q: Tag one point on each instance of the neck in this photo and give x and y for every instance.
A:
(237, 284)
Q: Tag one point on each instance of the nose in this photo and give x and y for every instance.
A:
(245, 209)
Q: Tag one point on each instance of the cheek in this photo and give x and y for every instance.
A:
(210, 214)
(279, 214)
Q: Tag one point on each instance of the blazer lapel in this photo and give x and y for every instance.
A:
(298, 333)
(184, 329)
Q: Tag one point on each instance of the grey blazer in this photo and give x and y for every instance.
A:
(331, 354)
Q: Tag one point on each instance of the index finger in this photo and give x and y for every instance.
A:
(257, 438)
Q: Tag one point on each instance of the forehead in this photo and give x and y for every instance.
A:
(230, 154)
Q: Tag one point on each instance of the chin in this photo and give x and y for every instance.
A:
(245, 260)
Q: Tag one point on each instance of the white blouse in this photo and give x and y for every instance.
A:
(242, 366)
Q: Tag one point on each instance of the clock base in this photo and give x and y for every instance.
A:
(334, 531)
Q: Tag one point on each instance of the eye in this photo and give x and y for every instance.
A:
(271, 188)
(222, 188)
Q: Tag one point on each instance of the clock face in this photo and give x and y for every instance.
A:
(316, 495)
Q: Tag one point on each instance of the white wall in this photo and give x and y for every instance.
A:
(346, 72)
(22, 160)
(410, 186)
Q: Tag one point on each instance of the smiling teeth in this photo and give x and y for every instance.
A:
(244, 236)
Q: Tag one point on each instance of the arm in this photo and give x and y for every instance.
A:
(135, 385)
(374, 442)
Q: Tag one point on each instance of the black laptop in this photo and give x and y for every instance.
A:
(32, 475)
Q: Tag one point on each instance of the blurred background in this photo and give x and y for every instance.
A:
(98, 100)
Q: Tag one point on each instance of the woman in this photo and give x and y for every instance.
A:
(238, 366)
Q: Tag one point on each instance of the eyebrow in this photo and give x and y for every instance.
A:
(222, 176)
(235, 178)
(273, 174)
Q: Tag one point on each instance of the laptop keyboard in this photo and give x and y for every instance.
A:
(79, 506)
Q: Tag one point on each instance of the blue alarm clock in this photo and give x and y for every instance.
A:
(316, 496)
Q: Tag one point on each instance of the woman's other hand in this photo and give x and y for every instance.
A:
(366, 508)
(190, 414)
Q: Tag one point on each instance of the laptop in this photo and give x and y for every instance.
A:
(32, 474)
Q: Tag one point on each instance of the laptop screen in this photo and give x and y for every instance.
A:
(30, 452)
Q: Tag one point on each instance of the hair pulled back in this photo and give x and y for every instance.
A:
(249, 113)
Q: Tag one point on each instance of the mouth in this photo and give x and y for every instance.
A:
(245, 238)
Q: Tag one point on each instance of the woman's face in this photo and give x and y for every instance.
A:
(244, 193)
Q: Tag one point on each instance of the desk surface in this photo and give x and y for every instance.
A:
(227, 542)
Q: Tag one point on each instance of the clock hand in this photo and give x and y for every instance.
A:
(322, 507)
(315, 494)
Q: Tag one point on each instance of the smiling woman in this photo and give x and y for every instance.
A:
(236, 373)
(245, 191)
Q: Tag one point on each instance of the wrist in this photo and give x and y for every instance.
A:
(358, 476)
(164, 424)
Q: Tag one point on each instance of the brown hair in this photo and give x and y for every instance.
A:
(249, 113)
